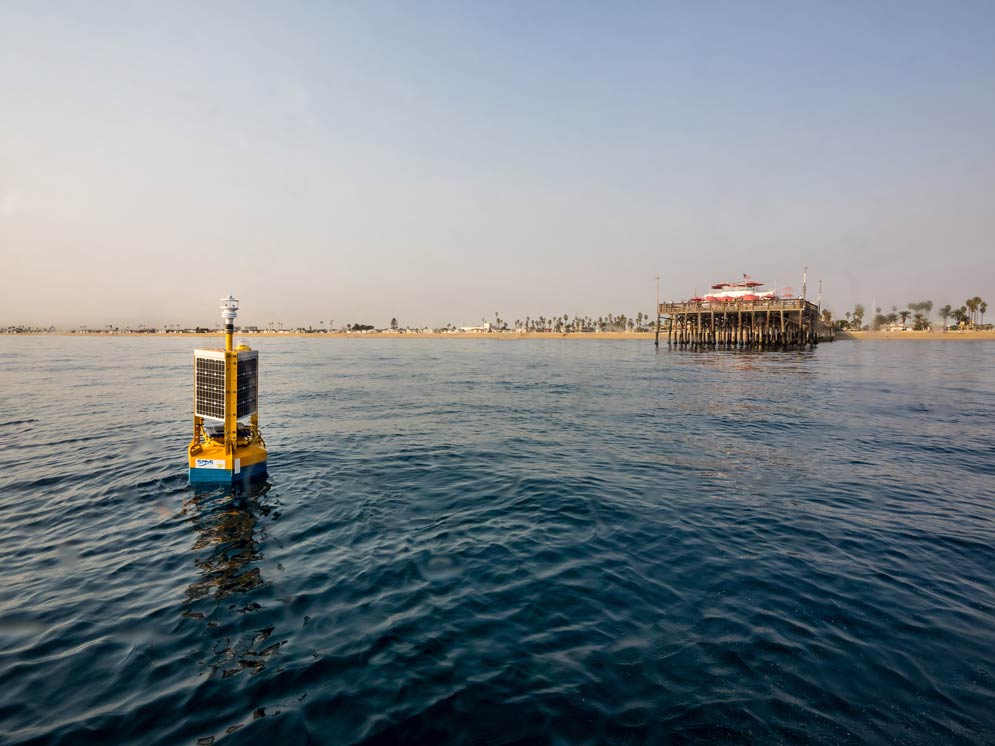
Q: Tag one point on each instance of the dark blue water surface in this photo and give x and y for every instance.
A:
(480, 542)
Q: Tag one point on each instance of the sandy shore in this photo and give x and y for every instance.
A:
(969, 336)
(966, 336)
(502, 336)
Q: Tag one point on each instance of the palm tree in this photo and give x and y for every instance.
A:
(904, 315)
(982, 307)
(945, 313)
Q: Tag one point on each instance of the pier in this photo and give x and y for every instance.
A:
(766, 324)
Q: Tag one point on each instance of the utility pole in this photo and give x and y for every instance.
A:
(657, 342)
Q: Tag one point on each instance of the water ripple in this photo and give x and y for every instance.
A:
(473, 543)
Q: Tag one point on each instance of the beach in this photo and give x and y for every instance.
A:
(965, 336)
(958, 336)
(504, 336)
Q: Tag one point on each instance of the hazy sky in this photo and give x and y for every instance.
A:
(439, 162)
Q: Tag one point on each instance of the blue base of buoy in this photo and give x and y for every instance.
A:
(225, 476)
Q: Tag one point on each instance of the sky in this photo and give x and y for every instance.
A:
(440, 162)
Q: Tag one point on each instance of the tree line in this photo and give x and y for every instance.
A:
(970, 315)
(641, 322)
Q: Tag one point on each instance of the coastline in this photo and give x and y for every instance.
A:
(959, 336)
(497, 336)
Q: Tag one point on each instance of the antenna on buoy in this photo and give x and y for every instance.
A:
(227, 445)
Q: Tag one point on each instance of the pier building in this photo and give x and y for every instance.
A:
(741, 316)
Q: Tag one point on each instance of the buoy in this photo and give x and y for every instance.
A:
(227, 446)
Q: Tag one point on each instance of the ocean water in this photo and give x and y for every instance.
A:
(479, 542)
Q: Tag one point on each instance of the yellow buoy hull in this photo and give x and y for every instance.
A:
(210, 463)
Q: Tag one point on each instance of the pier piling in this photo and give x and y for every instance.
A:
(768, 324)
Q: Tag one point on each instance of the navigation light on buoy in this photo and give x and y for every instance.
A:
(227, 446)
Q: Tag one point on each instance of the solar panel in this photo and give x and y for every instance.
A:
(248, 384)
(209, 387)
(209, 383)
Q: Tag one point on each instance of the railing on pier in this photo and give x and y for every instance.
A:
(774, 304)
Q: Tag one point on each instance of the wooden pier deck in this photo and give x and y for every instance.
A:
(781, 323)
